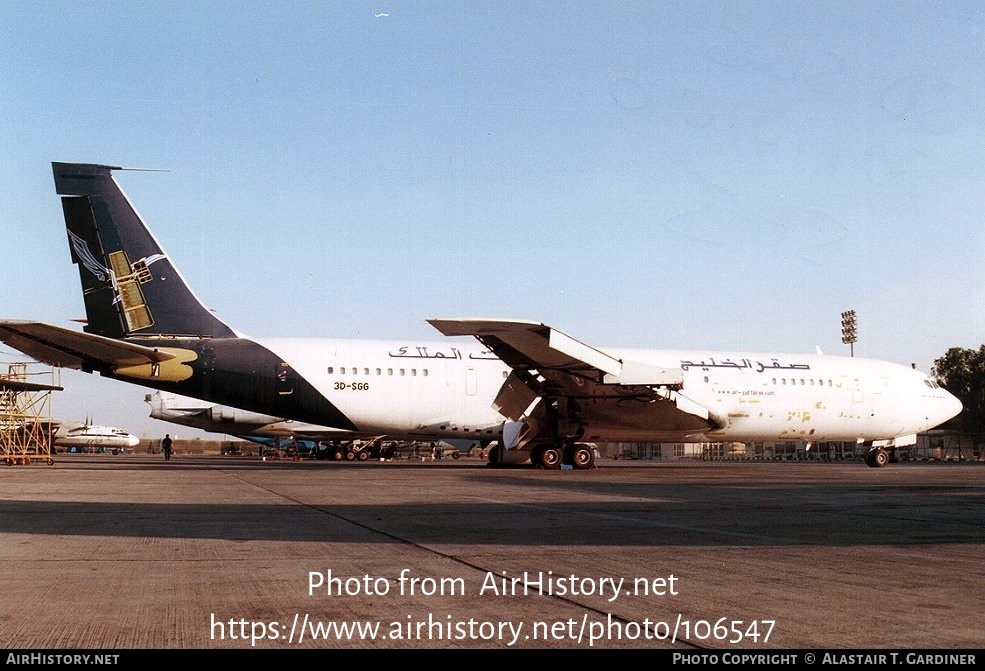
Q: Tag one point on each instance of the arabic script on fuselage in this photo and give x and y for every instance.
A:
(744, 364)
(428, 352)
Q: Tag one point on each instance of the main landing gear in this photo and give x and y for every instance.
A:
(552, 455)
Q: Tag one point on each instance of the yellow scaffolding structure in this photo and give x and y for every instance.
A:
(25, 412)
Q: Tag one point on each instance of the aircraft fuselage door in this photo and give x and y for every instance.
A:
(471, 381)
(857, 395)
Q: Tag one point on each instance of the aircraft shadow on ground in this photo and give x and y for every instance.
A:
(753, 513)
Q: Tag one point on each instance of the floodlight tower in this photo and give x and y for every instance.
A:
(849, 329)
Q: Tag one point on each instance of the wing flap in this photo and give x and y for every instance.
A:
(898, 441)
(66, 348)
(610, 392)
(636, 373)
(531, 345)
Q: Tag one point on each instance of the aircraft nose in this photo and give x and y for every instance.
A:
(133, 441)
(952, 406)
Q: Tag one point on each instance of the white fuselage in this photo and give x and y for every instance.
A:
(769, 396)
(94, 436)
(445, 389)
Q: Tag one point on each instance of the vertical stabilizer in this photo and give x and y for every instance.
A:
(130, 287)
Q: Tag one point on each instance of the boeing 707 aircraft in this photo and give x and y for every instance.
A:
(540, 393)
(207, 416)
(327, 443)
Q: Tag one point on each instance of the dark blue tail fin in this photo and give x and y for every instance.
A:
(130, 286)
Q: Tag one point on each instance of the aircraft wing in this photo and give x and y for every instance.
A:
(547, 362)
(67, 348)
(532, 345)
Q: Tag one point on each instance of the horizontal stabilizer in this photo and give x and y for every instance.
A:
(66, 348)
(19, 386)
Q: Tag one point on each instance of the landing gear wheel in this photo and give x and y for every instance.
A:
(551, 457)
(877, 458)
(362, 455)
(338, 455)
(350, 455)
(494, 456)
(582, 457)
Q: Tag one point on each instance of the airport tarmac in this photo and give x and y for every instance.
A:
(125, 552)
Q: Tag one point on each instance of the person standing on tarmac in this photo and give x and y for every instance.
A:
(166, 446)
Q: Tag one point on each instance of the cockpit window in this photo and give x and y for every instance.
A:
(931, 383)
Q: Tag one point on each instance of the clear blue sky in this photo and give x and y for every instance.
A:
(709, 175)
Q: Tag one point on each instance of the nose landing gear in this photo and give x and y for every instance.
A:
(877, 457)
